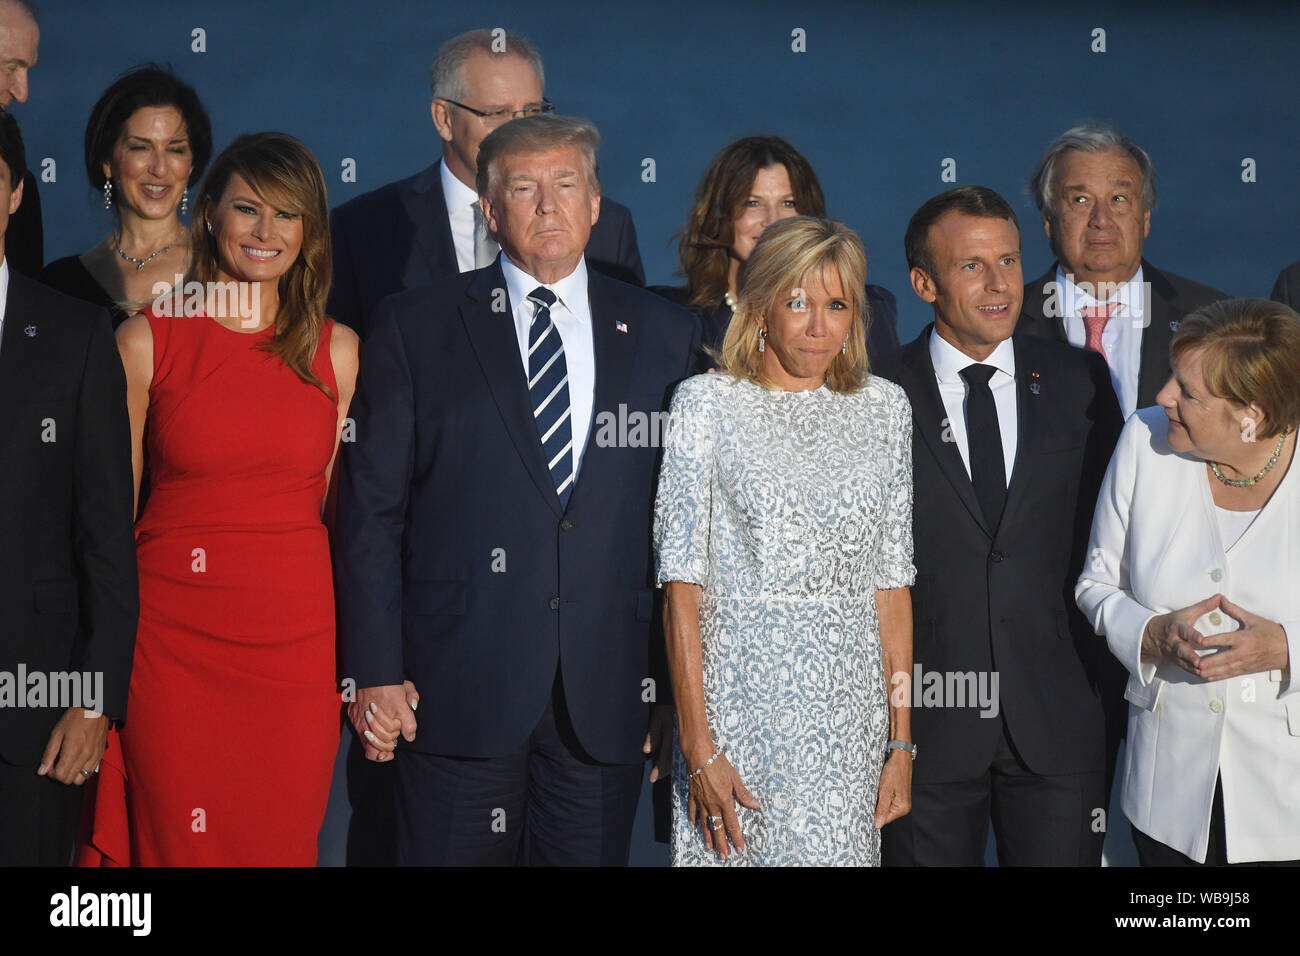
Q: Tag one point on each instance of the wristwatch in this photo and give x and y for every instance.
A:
(903, 745)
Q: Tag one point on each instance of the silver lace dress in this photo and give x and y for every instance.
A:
(790, 509)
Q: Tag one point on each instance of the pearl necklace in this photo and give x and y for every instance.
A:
(1247, 482)
(140, 263)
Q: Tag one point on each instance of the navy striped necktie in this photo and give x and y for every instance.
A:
(548, 389)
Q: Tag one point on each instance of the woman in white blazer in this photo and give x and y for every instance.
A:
(1193, 576)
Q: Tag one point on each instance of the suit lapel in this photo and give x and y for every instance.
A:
(1153, 366)
(1029, 425)
(1034, 310)
(614, 354)
(492, 336)
(433, 248)
(929, 414)
(20, 354)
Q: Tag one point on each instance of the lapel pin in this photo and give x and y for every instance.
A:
(1173, 326)
(31, 331)
(621, 326)
(1033, 385)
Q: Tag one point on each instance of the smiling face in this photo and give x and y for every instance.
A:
(542, 209)
(19, 38)
(493, 82)
(1203, 424)
(151, 162)
(1101, 220)
(978, 288)
(771, 197)
(806, 328)
(256, 240)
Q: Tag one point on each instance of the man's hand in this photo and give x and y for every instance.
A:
(78, 741)
(659, 740)
(379, 714)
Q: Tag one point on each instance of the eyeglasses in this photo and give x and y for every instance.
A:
(500, 116)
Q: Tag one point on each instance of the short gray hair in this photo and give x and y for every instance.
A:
(445, 80)
(1090, 138)
(533, 134)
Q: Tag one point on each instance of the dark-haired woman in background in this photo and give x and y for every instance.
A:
(147, 141)
(749, 185)
(233, 719)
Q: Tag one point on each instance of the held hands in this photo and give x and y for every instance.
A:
(78, 741)
(894, 797)
(379, 714)
(711, 805)
(1259, 645)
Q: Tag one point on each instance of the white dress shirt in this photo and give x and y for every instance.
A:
(4, 293)
(1157, 546)
(1122, 336)
(461, 201)
(571, 314)
(948, 362)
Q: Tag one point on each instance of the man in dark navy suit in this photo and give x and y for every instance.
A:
(493, 560)
(418, 230)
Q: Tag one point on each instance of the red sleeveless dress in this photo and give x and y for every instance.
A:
(232, 722)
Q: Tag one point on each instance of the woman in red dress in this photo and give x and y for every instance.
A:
(241, 385)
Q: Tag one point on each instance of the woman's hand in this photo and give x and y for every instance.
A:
(1174, 637)
(1260, 645)
(894, 796)
(711, 805)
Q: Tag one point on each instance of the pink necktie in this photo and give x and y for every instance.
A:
(1094, 320)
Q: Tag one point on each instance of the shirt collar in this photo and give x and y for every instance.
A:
(568, 290)
(4, 286)
(455, 193)
(1075, 299)
(949, 360)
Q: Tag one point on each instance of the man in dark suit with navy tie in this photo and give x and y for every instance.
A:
(67, 548)
(418, 230)
(1095, 190)
(493, 560)
(1011, 437)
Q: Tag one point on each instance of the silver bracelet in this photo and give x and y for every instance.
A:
(716, 754)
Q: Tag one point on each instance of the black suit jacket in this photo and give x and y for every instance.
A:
(67, 548)
(25, 235)
(398, 237)
(1287, 288)
(1172, 297)
(1002, 599)
(455, 566)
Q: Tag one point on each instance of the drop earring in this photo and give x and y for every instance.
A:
(844, 349)
(108, 194)
(185, 201)
(762, 340)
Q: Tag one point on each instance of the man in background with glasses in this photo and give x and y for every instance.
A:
(415, 231)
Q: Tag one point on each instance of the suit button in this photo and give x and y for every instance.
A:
(554, 603)
(1216, 618)
(997, 556)
(566, 525)
(1216, 705)
(1216, 574)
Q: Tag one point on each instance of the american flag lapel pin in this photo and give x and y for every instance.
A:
(621, 326)
(1033, 384)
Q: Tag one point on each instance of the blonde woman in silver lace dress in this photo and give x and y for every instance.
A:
(783, 540)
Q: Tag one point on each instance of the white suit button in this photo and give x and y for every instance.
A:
(1216, 574)
(1216, 705)
(1216, 618)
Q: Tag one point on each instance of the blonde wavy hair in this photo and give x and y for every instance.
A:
(789, 252)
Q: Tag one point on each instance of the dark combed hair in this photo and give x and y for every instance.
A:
(151, 84)
(978, 201)
(704, 244)
(12, 150)
(283, 173)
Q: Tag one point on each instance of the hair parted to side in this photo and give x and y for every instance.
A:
(978, 201)
(789, 252)
(704, 244)
(535, 134)
(1251, 355)
(284, 174)
(1088, 138)
(149, 85)
(445, 79)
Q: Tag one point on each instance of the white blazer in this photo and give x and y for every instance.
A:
(1155, 547)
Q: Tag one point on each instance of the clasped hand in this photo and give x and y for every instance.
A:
(380, 714)
(1258, 645)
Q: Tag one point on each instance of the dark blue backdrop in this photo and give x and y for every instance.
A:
(884, 93)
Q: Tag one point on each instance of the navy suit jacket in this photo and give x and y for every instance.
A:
(456, 567)
(1172, 297)
(398, 237)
